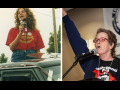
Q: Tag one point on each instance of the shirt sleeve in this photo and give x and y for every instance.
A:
(10, 36)
(40, 43)
(77, 43)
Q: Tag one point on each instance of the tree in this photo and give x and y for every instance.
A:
(3, 58)
(51, 42)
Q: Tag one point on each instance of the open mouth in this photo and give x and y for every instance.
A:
(98, 46)
(21, 16)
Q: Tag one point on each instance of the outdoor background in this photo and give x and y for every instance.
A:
(44, 20)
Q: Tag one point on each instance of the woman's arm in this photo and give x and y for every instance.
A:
(63, 12)
(77, 43)
(38, 51)
(14, 44)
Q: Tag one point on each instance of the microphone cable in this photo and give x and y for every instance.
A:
(24, 20)
(26, 41)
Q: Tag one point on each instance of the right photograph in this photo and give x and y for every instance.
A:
(90, 44)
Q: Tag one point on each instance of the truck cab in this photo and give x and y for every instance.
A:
(32, 70)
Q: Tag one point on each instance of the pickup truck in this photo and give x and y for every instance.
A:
(31, 70)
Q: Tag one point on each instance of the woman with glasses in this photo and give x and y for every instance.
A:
(105, 66)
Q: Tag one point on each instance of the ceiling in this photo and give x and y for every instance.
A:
(67, 9)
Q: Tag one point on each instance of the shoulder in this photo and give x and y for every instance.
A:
(37, 31)
(117, 60)
(34, 30)
(12, 30)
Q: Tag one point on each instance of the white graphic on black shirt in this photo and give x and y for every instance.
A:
(105, 75)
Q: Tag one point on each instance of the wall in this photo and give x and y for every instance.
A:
(87, 21)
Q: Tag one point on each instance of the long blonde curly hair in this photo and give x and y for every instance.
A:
(31, 21)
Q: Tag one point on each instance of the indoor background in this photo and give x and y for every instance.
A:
(87, 21)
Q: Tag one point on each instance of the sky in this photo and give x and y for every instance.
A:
(44, 21)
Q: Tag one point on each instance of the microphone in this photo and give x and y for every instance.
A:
(20, 24)
(25, 20)
(83, 55)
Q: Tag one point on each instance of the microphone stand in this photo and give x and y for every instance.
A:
(74, 64)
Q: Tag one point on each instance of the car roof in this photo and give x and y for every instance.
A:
(44, 63)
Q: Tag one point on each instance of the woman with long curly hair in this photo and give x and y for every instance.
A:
(21, 41)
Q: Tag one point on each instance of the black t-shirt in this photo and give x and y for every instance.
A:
(107, 70)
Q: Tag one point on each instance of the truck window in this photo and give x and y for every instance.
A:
(18, 76)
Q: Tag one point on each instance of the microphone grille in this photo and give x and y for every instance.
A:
(95, 51)
(21, 22)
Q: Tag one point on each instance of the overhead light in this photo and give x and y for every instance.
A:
(90, 44)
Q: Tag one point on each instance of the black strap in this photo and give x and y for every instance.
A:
(91, 65)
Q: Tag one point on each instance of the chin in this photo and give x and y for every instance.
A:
(20, 19)
(100, 52)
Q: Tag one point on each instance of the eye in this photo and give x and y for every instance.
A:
(102, 39)
(23, 11)
(95, 40)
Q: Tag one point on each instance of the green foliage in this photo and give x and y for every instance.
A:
(3, 58)
(51, 42)
(59, 39)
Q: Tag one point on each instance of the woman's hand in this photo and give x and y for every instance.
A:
(21, 27)
(14, 44)
(63, 12)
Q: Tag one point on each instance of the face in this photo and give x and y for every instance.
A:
(104, 46)
(22, 14)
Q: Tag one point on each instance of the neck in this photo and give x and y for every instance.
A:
(106, 57)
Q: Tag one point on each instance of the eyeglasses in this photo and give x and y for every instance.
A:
(101, 39)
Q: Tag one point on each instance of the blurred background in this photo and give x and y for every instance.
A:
(87, 21)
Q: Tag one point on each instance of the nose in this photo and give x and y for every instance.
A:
(20, 13)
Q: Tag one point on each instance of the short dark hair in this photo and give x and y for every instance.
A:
(111, 38)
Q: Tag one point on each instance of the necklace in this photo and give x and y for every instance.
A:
(99, 65)
(110, 63)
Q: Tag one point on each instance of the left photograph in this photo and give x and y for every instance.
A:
(30, 44)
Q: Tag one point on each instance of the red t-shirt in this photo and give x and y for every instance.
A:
(34, 39)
